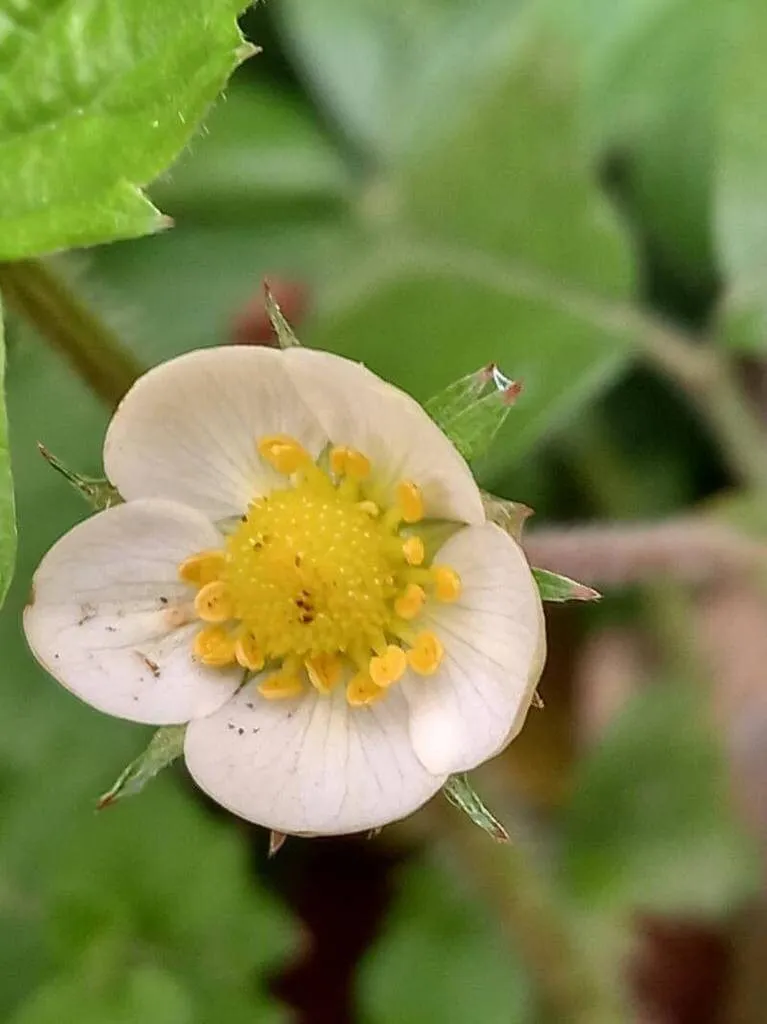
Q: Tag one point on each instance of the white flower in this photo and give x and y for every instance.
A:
(269, 580)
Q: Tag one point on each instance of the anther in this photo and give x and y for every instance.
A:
(214, 646)
(410, 501)
(213, 603)
(283, 452)
(362, 691)
(202, 568)
(324, 671)
(248, 653)
(409, 604)
(447, 583)
(425, 656)
(281, 686)
(413, 550)
(387, 668)
(346, 461)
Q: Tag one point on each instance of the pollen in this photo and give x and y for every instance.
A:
(317, 585)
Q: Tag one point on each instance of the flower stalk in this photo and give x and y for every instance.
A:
(34, 290)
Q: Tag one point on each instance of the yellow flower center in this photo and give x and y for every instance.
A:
(317, 577)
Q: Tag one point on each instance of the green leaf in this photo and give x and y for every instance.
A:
(462, 795)
(473, 409)
(472, 253)
(96, 100)
(7, 513)
(554, 587)
(650, 825)
(166, 746)
(441, 958)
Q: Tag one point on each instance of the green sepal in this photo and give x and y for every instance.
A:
(511, 516)
(164, 748)
(462, 795)
(285, 336)
(99, 493)
(554, 587)
(472, 410)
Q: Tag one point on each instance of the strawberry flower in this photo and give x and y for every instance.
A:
(303, 571)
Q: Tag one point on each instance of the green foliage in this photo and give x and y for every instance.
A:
(441, 959)
(96, 100)
(650, 824)
(469, 249)
(7, 516)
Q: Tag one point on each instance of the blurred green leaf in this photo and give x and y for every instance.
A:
(165, 747)
(650, 76)
(650, 825)
(441, 958)
(7, 513)
(129, 994)
(95, 101)
(742, 181)
(473, 253)
(261, 146)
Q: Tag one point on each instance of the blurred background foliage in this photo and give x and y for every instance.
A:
(430, 185)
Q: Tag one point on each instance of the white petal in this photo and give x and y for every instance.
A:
(187, 430)
(312, 765)
(495, 644)
(358, 409)
(102, 618)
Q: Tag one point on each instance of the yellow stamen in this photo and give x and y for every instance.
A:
(362, 691)
(214, 603)
(248, 653)
(388, 667)
(447, 583)
(426, 654)
(409, 604)
(346, 461)
(202, 568)
(357, 465)
(410, 501)
(324, 671)
(214, 646)
(414, 551)
(283, 452)
(281, 686)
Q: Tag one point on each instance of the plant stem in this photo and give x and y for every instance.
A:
(34, 290)
(573, 990)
